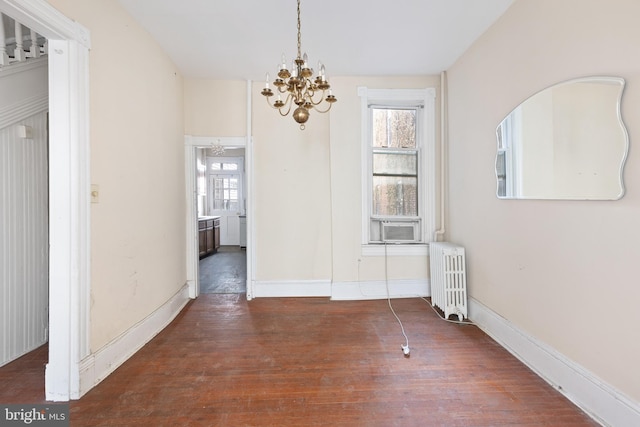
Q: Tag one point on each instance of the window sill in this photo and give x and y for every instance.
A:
(395, 249)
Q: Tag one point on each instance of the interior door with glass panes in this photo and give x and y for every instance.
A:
(224, 196)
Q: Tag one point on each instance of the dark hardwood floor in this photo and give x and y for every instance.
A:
(314, 362)
(22, 381)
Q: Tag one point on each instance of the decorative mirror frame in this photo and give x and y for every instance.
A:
(580, 120)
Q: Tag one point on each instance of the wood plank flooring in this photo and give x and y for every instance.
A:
(22, 381)
(314, 362)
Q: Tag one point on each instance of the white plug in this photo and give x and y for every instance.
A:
(405, 350)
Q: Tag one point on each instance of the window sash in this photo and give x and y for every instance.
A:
(395, 196)
(394, 127)
(395, 164)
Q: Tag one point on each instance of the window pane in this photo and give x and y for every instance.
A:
(230, 166)
(226, 193)
(394, 128)
(215, 166)
(395, 163)
(395, 196)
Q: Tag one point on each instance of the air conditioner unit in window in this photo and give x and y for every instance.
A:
(401, 232)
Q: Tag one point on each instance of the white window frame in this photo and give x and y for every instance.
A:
(426, 172)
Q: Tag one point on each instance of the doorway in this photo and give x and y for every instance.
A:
(69, 249)
(226, 196)
(222, 196)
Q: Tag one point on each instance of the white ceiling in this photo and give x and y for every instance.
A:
(244, 39)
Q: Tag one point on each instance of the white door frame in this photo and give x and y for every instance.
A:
(69, 190)
(191, 143)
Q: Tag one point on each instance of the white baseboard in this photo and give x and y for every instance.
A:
(103, 362)
(292, 288)
(378, 289)
(598, 399)
(341, 290)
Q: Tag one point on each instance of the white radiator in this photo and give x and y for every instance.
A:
(448, 278)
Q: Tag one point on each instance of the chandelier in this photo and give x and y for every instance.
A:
(216, 149)
(300, 87)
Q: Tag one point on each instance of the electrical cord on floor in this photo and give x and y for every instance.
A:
(457, 322)
(405, 348)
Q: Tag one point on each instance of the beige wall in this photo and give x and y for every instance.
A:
(307, 183)
(346, 183)
(308, 191)
(565, 272)
(292, 199)
(138, 227)
(215, 107)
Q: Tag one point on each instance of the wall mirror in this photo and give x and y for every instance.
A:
(566, 142)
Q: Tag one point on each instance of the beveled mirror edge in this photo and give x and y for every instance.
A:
(621, 81)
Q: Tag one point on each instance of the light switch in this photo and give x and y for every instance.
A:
(95, 193)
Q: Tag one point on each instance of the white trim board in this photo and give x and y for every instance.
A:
(292, 288)
(598, 399)
(22, 110)
(103, 362)
(341, 290)
(22, 67)
(378, 289)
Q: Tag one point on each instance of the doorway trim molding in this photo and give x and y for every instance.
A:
(191, 143)
(69, 191)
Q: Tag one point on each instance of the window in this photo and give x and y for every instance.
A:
(398, 168)
(225, 192)
(224, 185)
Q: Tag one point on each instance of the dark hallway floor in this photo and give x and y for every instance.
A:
(224, 272)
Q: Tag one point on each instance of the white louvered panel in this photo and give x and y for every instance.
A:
(24, 239)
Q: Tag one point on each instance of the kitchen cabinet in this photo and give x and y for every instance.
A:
(208, 235)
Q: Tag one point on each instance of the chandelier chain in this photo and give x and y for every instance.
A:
(299, 37)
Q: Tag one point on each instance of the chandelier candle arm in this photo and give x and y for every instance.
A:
(300, 86)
